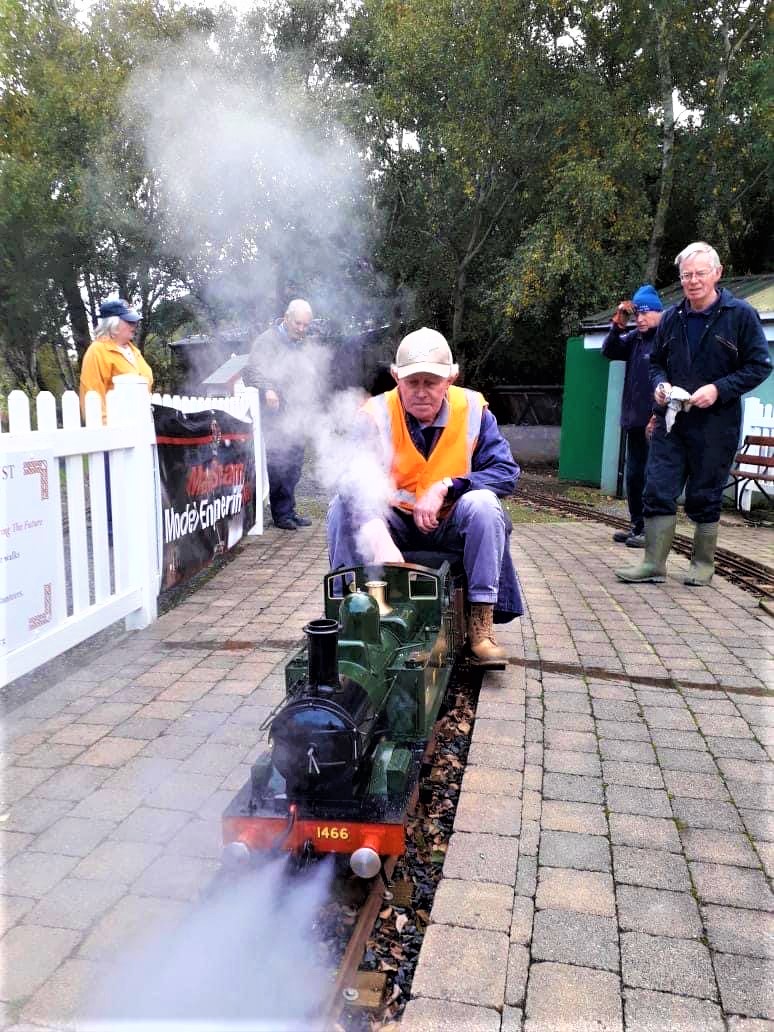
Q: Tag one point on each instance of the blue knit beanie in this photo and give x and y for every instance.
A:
(647, 300)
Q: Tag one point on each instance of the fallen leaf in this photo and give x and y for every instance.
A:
(400, 922)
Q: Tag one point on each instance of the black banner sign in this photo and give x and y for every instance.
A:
(207, 469)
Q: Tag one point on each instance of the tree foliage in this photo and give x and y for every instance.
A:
(495, 168)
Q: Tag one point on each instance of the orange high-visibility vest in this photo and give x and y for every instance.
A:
(411, 472)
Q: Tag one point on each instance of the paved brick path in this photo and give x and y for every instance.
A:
(613, 836)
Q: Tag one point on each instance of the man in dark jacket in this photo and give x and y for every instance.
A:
(279, 368)
(712, 346)
(634, 347)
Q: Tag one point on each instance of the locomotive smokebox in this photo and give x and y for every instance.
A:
(321, 640)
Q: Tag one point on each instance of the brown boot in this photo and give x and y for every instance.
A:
(485, 651)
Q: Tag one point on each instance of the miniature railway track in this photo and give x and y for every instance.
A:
(746, 573)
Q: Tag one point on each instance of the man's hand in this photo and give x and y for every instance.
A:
(622, 314)
(704, 396)
(661, 394)
(375, 541)
(272, 399)
(427, 507)
(650, 429)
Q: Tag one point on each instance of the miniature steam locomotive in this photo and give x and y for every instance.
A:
(347, 742)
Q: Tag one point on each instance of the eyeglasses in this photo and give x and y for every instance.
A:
(685, 276)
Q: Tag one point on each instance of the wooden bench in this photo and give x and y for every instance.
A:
(753, 465)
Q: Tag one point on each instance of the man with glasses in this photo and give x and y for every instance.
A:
(634, 347)
(712, 345)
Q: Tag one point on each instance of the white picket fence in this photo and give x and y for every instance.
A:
(61, 579)
(758, 421)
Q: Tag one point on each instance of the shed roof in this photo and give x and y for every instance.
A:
(226, 372)
(757, 290)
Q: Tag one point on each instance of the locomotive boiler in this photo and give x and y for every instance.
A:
(346, 744)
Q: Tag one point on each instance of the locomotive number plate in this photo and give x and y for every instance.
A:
(334, 832)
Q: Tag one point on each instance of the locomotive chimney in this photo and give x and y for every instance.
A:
(322, 638)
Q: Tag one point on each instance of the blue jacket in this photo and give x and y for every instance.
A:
(733, 355)
(634, 348)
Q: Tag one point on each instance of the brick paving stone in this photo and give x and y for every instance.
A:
(586, 892)
(32, 815)
(425, 1015)
(132, 920)
(31, 954)
(562, 996)
(745, 985)
(749, 794)
(566, 849)
(617, 692)
(11, 843)
(559, 815)
(560, 761)
(736, 1024)
(679, 966)
(722, 726)
(651, 867)
(610, 709)
(573, 788)
(175, 746)
(107, 804)
(183, 791)
(521, 919)
(18, 781)
(733, 930)
(644, 832)
(34, 874)
(664, 738)
(640, 775)
(73, 836)
(695, 786)
(658, 912)
(570, 741)
(111, 751)
(516, 977)
(492, 781)
(526, 876)
(648, 1011)
(561, 720)
(719, 847)
(733, 886)
(487, 858)
(622, 731)
(660, 697)
(471, 904)
(628, 752)
(649, 802)
(74, 903)
(175, 877)
(584, 939)
(687, 760)
(462, 965)
(747, 770)
(118, 861)
(506, 734)
(79, 734)
(482, 754)
(531, 806)
(149, 825)
(533, 775)
(706, 813)
(668, 718)
(12, 910)
(529, 838)
(497, 815)
(567, 702)
(60, 1000)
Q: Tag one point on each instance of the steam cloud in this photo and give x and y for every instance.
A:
(260, 191)
(245, 961)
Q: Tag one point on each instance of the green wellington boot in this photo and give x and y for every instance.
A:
(705, 539)
(659, 532)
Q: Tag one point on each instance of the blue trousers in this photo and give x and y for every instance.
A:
(695, 456)
(476, 528)
(283, 465)
(636, 461)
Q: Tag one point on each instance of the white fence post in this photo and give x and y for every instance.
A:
(134, 499)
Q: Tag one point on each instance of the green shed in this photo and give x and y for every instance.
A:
(590, 448)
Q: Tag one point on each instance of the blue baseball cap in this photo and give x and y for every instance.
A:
(647, 300)
(120, 308)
